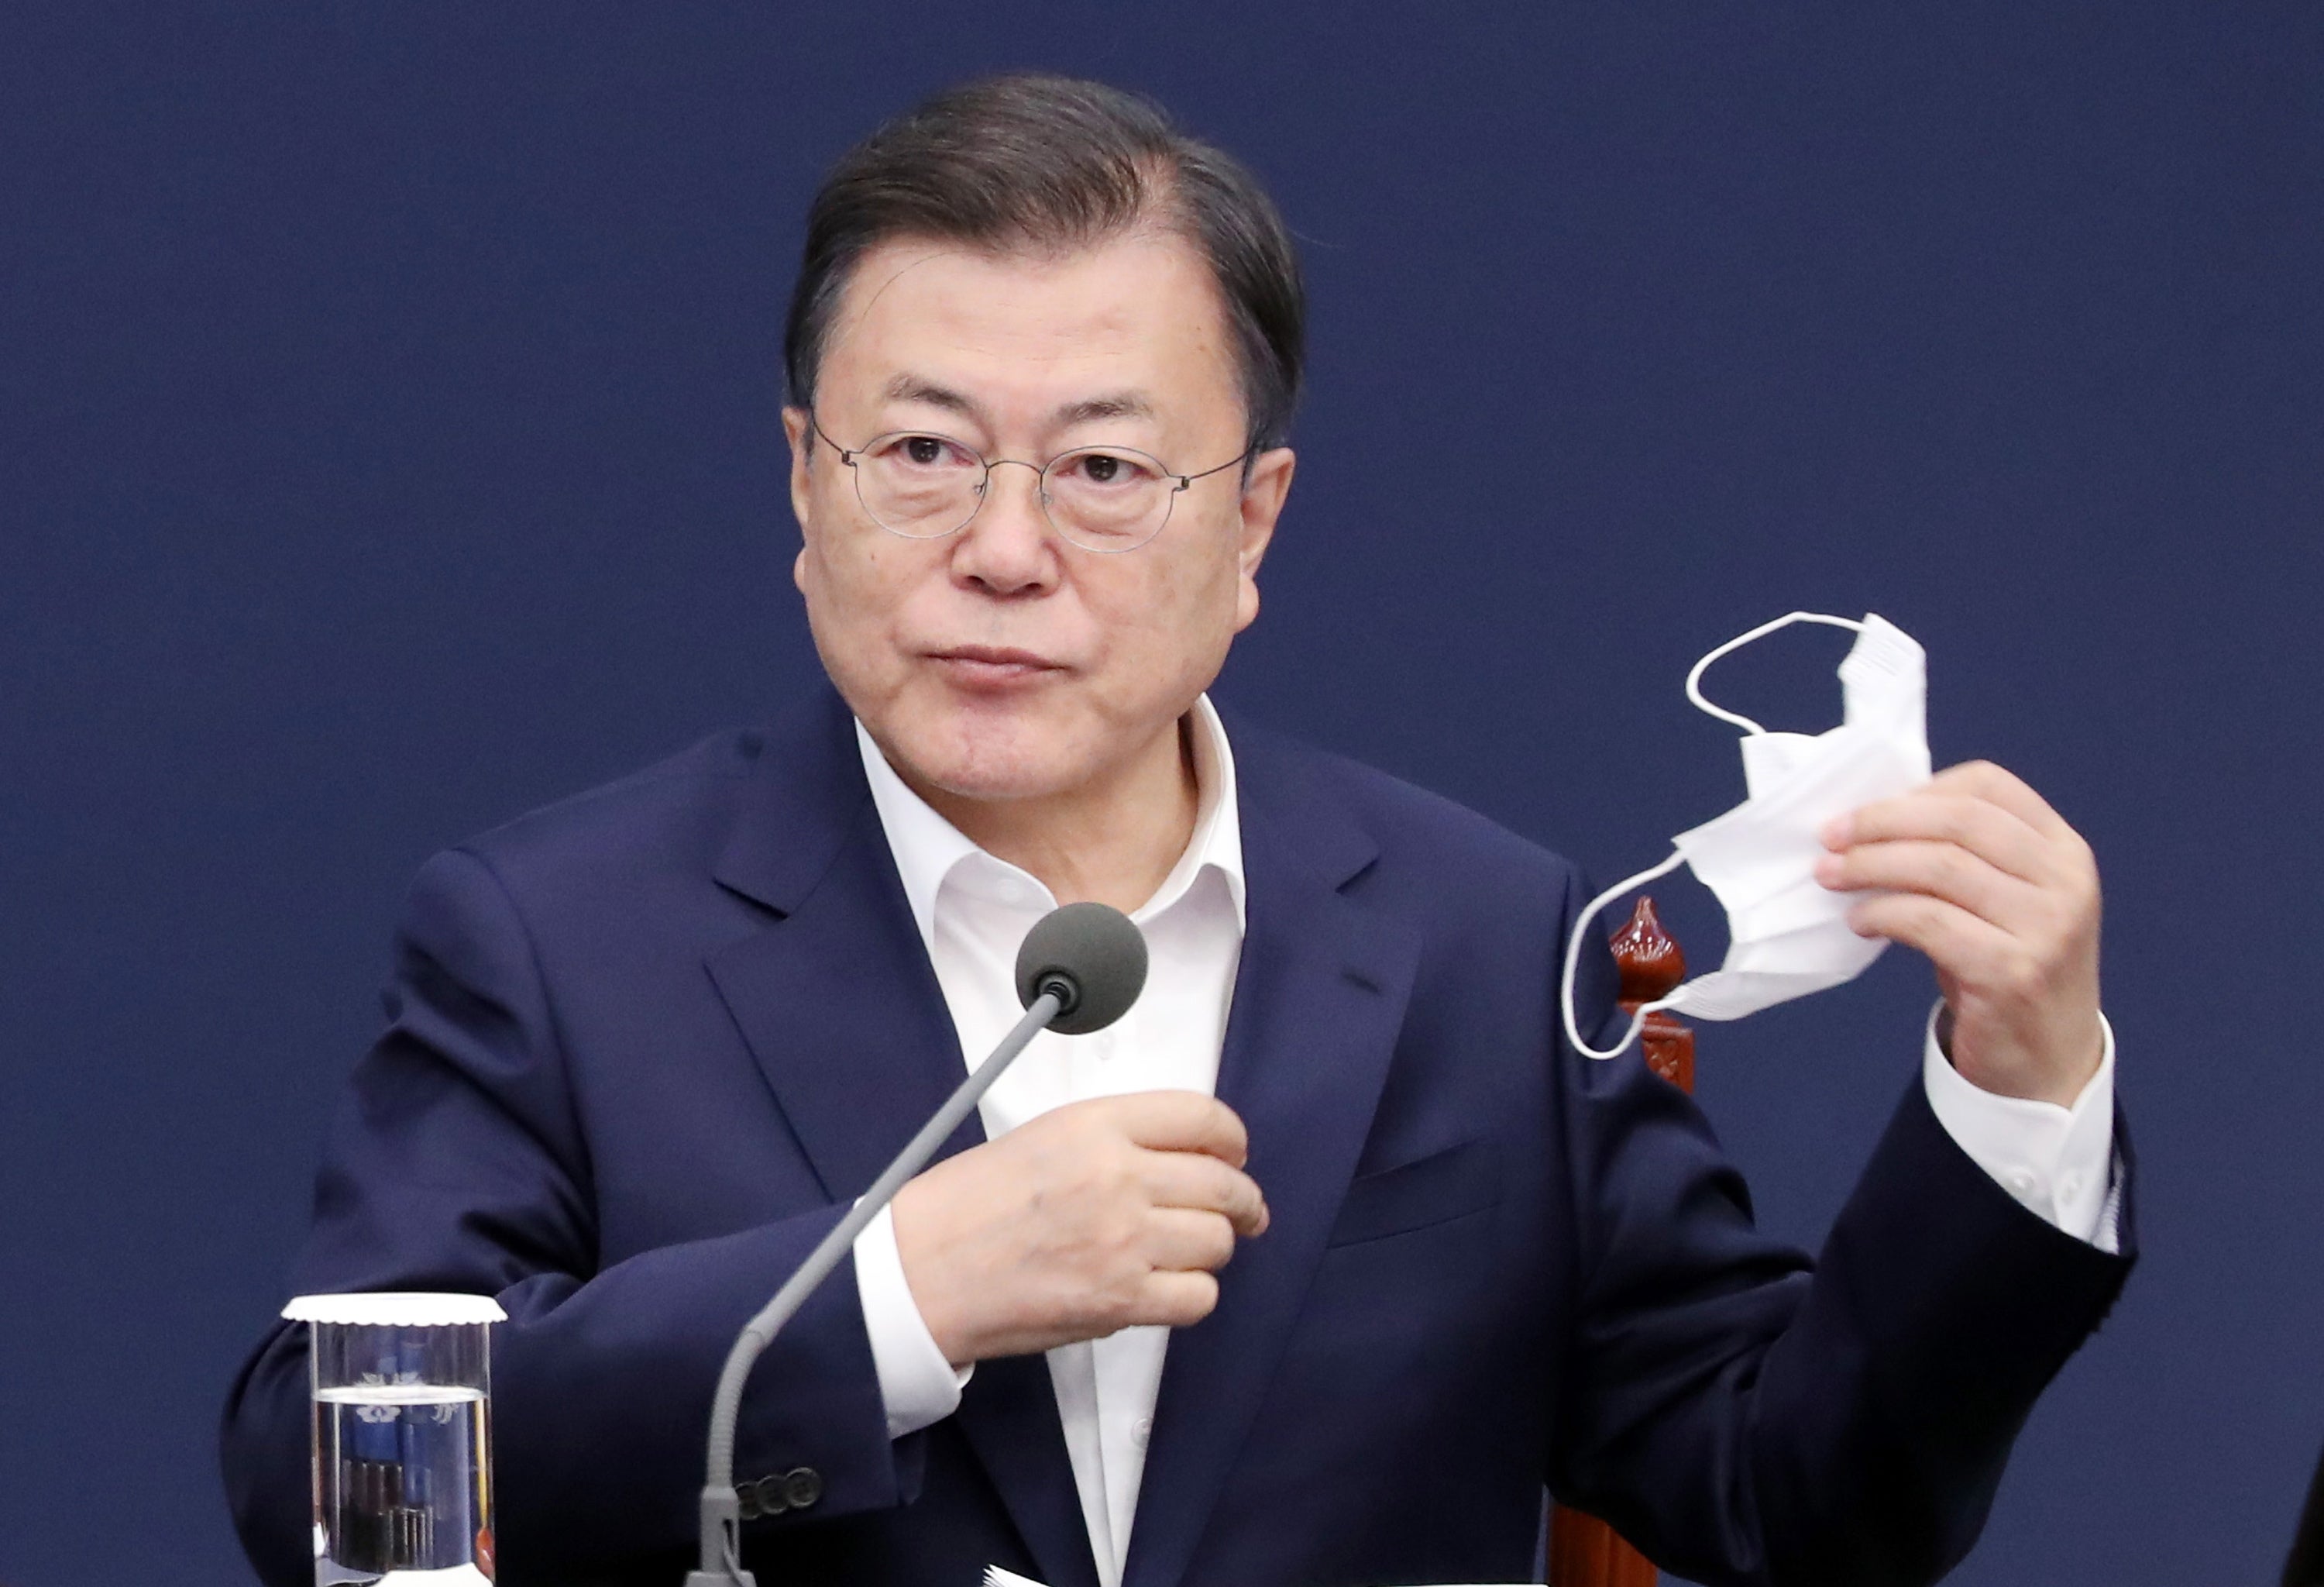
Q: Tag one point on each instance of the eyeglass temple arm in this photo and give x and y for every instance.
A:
(1184, 479)
(814, 424)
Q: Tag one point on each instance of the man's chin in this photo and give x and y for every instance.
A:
(988, 760)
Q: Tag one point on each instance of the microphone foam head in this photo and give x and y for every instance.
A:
(1093, 950)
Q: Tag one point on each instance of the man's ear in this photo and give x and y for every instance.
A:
(796, 429)
(1263, 493)
(799, 428)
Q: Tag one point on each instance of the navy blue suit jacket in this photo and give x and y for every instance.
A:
(646, 1045)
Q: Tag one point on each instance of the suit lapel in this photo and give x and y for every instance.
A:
(842, 1011)
(1318, 1001)
(835, 997)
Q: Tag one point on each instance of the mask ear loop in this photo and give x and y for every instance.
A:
(1574, 941)
(1694, 673)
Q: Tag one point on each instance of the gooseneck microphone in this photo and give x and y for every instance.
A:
(1091, 958)
(1078, 970)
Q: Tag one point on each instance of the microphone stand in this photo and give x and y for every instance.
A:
(721, 1516)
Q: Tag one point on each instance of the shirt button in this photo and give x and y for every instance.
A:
(2021, 1181)
(2069, 1187)
(1141, 1430)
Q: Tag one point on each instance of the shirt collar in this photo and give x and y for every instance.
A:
(927, 847)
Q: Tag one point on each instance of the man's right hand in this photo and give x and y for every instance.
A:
(1095, 1216)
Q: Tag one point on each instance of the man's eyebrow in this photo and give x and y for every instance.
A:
(1113, 405)
(1123, 404)
(912, 388)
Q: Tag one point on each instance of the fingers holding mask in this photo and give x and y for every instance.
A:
(1978, 873)
(1976, 837)
(1931, 868)
(1956, 810)
(1964, 946)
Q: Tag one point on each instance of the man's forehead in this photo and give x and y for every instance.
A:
(928, 320)
(1135, 252)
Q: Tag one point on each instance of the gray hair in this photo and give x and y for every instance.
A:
(1034, 161)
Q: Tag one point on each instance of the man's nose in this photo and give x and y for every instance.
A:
(1009, 548)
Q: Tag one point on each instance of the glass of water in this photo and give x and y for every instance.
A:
(402, 1448)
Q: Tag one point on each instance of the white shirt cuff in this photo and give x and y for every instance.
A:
(918, 1386)
(2058, 1163)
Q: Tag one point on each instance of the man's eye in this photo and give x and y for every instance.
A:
(919, 454)
(1105, 468)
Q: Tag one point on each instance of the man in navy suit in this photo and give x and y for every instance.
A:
(1338, 1254)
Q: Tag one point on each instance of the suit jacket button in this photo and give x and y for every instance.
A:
(746, 1500)
(802, 1486)
(770, 1490)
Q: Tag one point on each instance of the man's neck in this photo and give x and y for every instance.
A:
(1113, 840)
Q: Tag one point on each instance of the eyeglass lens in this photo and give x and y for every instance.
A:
(1103, 498)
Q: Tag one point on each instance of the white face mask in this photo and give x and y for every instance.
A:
(1787, 933)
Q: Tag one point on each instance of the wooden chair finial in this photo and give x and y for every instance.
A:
(1651, 962)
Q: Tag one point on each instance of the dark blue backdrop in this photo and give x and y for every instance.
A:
(387, 443)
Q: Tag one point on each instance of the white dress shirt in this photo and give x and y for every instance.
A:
(973, 909)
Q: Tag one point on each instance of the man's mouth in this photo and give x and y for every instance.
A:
(992, 666)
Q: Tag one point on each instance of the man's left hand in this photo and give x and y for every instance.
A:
(1980, 874)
